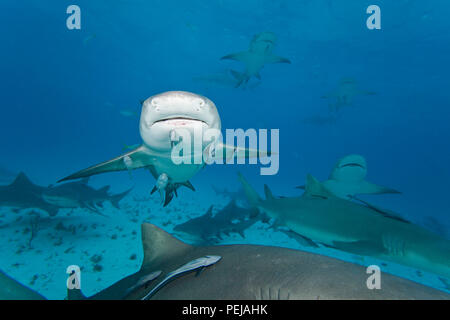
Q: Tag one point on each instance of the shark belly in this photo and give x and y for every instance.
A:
(177, 172)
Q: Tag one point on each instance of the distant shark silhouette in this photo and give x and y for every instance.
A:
(237, 195)
(258, 55)
(344, 94)
(347, 179)
(23, 194)
(208, 229)
(170, 271)
(223, 79)
(80, 195)
(355, 228)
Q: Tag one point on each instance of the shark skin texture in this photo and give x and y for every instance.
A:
(254, 272)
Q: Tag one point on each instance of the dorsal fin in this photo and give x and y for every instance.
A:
(159, 245)
(268, 193)
(21, 179)
(314, 188)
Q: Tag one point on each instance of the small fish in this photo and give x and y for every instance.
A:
(143, 281)
(201, 263)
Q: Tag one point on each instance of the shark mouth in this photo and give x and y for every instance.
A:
(352, 164)
(179, 121)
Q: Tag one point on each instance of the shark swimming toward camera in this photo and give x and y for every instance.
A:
(209, 229)
(165, 120)
(258, 55)
(347, 179)
(170, 271)
(344, 94)
(355, 228)
(80, 195)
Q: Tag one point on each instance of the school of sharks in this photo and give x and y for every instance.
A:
(329, 214)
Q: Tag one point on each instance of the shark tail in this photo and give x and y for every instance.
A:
(241, 78)
(118, 197)
(250, 193)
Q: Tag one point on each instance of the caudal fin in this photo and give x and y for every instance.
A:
(118, 197)
(252, 197)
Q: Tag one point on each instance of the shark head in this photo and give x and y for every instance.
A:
(351, 168)
(163, 114)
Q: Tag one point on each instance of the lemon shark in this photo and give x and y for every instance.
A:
(80, 195)
(24, 194)
(344, 94)
(347, 179)
(258, 55)
(165, 120)
(352, 227)
(209, 228)
(172, 269)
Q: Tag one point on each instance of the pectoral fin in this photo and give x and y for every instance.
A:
(134, 159)
(371, 188)
(244, 56)
(275, 59)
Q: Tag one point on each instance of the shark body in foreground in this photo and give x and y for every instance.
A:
(355, 228)
(258, 54)
(239, 272)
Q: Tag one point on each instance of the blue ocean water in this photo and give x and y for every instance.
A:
(71, 98)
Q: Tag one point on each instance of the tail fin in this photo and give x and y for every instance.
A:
(118, 197)
(252, 197)
(241, 78)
